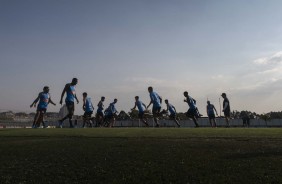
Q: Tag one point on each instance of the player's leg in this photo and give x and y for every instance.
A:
(35, 119)
(156, 112)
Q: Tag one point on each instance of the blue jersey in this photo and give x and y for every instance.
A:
(43, 100)
(155, 98)
(100, 107)
(70, 94)
(210, 110)
(191, 102)
(140, 106)
(112, 108)
(88, 105)
(171, 109)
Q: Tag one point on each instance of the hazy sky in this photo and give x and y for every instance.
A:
(117, 48)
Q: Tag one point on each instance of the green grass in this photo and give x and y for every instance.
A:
(133, 155)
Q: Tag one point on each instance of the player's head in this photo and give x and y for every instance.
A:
(137, 98)
(84, 94)
(223, 95)
(46, 89)
(208, 102)
(150, 89)
(102, 98)
(185, 93)
(115, 100)
(74, 81)
(166, 101)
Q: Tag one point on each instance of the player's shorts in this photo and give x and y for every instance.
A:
(211, 116)
(227, 113)
(191, 112)
(141, 115)
(110, 116)
(156, 110)
(70, 106)
(42, 110)
(88, 114)
(100, 113)
(172, 116)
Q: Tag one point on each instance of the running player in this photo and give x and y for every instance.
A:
(44, 99)
(112, 113)
(172, 112)
(71, 96)
(192, 111)
(88, 110)
(211, 114)
(226, 109)
(156, 100)
(141, 108)
(100, 114)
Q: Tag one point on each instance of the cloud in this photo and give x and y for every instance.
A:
(274, 59)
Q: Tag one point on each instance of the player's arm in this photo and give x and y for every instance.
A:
(76, 98)
(150, 102)
(63, 93)
(215, 110)
(160, 98)
(134, 107)
(50, 101)
(207, 110)
(174, 109)
(194, 100)
(144, 105)
(35, 101)
(84, 102)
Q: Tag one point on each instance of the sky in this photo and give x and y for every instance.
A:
(117, 48)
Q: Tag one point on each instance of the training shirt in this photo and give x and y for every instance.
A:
(112, 108)
(100, 107)
(140, 106)
(70, 93)
(191, 102)
(43, 100)
(228, 106)
(210, 109)
(155, 98)
(171, 109)
(88, 105)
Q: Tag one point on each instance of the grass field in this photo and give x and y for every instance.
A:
(136, 155)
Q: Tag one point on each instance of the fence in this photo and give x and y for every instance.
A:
(203, 122)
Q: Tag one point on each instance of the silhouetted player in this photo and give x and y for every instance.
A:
(71, 96)
(141, 108)
(88, 110)
(100, 113)
(226, 109)
(172, 112)
(192, 111)
(111, 113)
(44, 99)
(211, 114)
(156, 100)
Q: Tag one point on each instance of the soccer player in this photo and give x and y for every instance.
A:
(141, 108)
(156, 100)
(44, 99)
(100, 114)
(211, 114)
(192, 111)
(226, 109)
(71, 96)
(111, 113)
(172, 112)
(88, 110)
